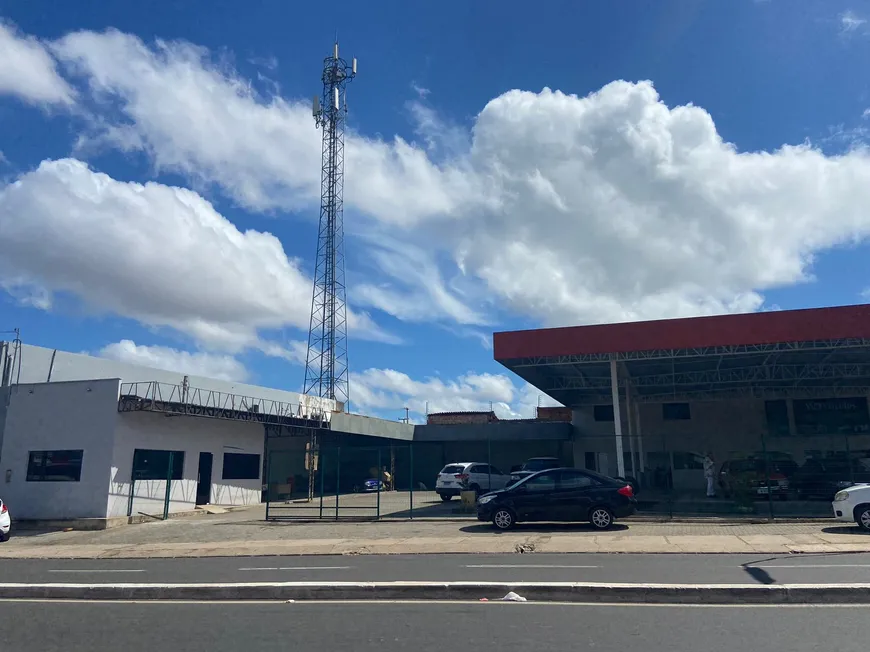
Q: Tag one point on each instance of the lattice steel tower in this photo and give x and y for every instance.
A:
(326, 363)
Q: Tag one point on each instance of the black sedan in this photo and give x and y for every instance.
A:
(559, 495)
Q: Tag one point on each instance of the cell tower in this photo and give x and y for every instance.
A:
(326, 363)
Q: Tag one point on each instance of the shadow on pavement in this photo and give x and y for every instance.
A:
(543, 527)
(759, 574)
(845, 529)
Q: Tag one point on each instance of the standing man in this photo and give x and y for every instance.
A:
(710, 474)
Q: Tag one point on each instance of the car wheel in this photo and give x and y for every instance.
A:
(503, 519)
(445, 497)
(601, 518)
(4, 537)
(862, 517)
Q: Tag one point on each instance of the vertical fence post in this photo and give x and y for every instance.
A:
(669, 476)
(849, 458)
(411, 476)
(322, 482)
(488, 463)
(168, 487)
(767, 475)
(267, 482)
(132, 493)
(378, 485)
(337, 477)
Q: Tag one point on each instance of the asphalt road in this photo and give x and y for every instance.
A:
(424, 627)
(701, 569)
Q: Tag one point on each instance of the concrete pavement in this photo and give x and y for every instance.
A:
(427, 627)
(237, 535)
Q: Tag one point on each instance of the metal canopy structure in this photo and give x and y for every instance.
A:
(823, 367)
(177, 400)
(800, 353)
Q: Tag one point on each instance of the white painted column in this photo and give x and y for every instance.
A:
(617, 418)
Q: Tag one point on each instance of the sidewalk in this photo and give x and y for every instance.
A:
(242, 534)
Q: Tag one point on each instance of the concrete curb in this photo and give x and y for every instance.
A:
(721, 594)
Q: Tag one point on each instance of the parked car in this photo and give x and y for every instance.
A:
(824, 478)
(373, 484)
(533, 465)
(477, 476)
(852, 505)
(748, 475)
(5, 522)
(559, 495)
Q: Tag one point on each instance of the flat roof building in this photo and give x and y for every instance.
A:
(656, 398)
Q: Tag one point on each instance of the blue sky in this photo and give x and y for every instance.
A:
(500, 176)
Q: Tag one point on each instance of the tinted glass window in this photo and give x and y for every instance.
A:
(675, 411)
(479, 468)
(494, 470)
(241, 466)
(602, 412)
(453, 468)
(575, 481)
(54, 466)
(154, 464)
(541, 483)
(776, 413)
(688, 461)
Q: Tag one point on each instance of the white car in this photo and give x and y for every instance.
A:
(481, 478)
(852, 505)
(5, 522)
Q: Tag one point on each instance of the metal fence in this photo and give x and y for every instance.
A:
(390, 481)
(760, 474)
(790, 467)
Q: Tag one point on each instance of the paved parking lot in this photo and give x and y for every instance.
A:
(389, 504)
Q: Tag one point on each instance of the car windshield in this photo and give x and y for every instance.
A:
(453, 468)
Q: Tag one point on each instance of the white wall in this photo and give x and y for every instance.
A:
(59, 416)
(192, 435)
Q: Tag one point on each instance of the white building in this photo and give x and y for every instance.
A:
(76, 431)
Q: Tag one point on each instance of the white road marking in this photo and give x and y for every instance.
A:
(301, 568)
(813, 566)
(97, 570)
(426, 604)
(524, 566)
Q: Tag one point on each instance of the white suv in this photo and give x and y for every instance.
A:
(481, 478)
(852, 505)
(5, 522)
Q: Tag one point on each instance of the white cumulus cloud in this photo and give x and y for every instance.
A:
(389, 391)
(159, 254)
(564, 208)
(28, 71)
(209, 365)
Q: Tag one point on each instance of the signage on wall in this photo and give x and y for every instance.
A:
(828, 416)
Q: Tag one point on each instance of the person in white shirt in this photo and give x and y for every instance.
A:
(710, 474)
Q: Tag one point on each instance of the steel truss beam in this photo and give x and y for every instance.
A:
(787, 373)
(667, 354)
(179, 400)
(758, 393)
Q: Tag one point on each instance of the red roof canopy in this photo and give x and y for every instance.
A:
(844, 322)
